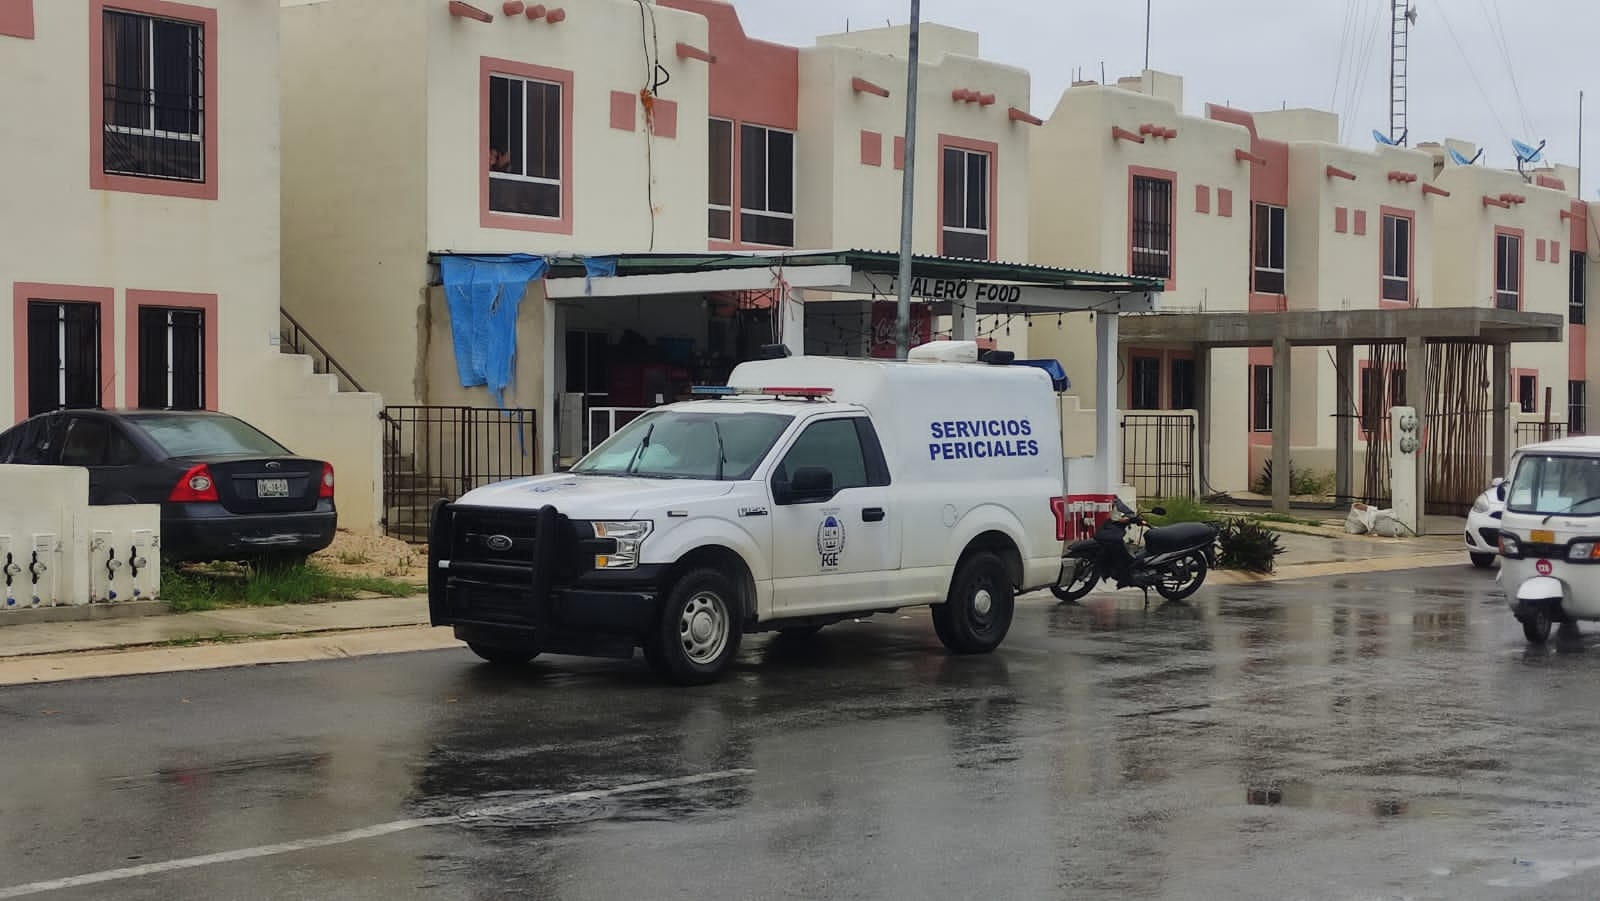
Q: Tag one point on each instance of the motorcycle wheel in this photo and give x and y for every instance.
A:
(1183, 578)
(1082, 582)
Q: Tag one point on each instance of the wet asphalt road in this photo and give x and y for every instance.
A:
(1362, 737)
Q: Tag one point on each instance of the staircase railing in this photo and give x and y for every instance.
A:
(295, 336)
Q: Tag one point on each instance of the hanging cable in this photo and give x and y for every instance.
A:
(1497, 30)
(1482, 93)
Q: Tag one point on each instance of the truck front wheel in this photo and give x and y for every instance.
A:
(699, 631)
(976, 615)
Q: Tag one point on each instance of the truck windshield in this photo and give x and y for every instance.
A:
(1549, 485)
(679, 444)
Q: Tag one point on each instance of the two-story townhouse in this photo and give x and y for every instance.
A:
(1510, 242)
(141, 224)
(528, 135)
(1123, 181)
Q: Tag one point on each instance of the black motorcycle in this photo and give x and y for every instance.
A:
(1174, 560)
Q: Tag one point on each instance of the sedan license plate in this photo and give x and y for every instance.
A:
(272, 488)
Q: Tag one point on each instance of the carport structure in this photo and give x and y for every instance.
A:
(1412, 329)
(959, 288)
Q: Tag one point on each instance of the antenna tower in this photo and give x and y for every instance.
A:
(1399, 50)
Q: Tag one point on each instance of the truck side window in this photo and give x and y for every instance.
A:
(834, 445)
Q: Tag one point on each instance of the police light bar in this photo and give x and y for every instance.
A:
(728, 391)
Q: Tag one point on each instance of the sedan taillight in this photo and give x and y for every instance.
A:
(196, 486)
(327, 481)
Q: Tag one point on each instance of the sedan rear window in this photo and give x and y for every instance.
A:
(204, 436)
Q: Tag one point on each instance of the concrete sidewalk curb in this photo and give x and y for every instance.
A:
(1341, 568)
(291, 648)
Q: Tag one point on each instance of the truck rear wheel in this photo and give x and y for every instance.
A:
(976, 615)
(698, 633)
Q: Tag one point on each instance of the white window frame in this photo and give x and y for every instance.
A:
(988, 176)
(147, 25)
(1515, 292)
(1283, 248)
(1266, 390)
(559, 182)
(733, 177)
(1401, 250)
(766, 164)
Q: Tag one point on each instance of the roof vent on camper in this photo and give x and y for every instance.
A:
(944, 352)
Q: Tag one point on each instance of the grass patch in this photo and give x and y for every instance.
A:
(1284, 518)
(1182, 509)
(208, 588)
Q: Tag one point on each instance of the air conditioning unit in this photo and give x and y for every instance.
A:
(570, 427)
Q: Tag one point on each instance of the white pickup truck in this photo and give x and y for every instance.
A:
(808, 491)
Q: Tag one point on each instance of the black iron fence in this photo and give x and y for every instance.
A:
(1158, 454)
(1534, 432)
(444, 452)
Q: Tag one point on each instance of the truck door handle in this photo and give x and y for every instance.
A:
(872, 514)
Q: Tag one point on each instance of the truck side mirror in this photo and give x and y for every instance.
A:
(1500, 491)
(808, 485)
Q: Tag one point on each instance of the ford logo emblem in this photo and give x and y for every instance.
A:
(274, 465)
(498, 543)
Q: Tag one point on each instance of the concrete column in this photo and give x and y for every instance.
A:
(1500, 378)
(1108, 419)
(1203, 408)
(1345, 423)
(555, 381)
(964, 321)
(1280, 425)
(1418, 393)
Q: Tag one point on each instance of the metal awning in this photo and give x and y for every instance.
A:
(1473, 325)
(989, 286)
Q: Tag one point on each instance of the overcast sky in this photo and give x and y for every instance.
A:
(1262, 54)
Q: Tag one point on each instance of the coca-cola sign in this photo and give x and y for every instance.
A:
(884, 316)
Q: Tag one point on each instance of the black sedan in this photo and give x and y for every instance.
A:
(226, 490)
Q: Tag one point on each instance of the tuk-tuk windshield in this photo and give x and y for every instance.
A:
(1547, 485)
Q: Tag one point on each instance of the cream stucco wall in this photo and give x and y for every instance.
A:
(613, 172)
(1079, 217)
(354, 184)
(121, 242)
(846, 203)
(60, 231)
(1465, 259)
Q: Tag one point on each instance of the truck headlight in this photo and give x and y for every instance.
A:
(628, 536)
(1581, 550)
(1510, 546)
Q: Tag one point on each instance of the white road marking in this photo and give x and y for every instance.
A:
(355, 835)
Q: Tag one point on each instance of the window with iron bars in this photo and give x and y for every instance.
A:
(154, 96)
(1152, 227)
(1577, 407)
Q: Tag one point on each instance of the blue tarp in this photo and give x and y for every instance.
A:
(597, 266)
(484, 294)
(1058, 375)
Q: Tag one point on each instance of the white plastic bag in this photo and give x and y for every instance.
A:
(1385, 525)
(1360, 519)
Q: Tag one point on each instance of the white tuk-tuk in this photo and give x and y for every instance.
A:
(1550, 535)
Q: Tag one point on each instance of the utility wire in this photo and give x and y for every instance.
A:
(1484, 94)
(1497, 29)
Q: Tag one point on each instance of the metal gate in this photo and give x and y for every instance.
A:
(1158, 453)
(431, 453)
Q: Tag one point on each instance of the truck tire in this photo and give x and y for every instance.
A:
(698, 633)
(976, 615)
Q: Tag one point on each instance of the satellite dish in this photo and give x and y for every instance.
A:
(1385, 140)
(1526, 154)
(1462, 160)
